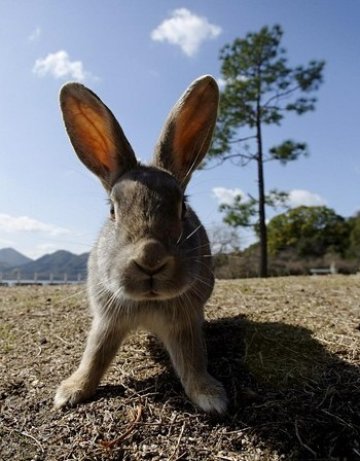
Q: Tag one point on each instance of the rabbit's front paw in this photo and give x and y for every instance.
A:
(210, 396)
(72, 391)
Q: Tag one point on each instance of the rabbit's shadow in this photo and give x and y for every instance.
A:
(282, 384)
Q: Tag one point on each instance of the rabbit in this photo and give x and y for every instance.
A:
(150, 267)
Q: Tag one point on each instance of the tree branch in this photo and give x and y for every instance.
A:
(242, 139)
(281, 109)
(281, 95)
(246, 158)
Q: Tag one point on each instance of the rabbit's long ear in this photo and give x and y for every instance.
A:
(188, 130)
(95, 134)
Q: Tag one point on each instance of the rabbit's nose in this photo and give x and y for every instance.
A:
(152, 257)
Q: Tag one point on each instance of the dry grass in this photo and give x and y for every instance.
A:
(287, 350)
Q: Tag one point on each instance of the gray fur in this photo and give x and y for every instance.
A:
(150, 267)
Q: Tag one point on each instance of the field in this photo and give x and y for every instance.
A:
(286, 349)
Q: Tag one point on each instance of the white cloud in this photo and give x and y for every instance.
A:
(186, 30)
(298, 197)
(6, 242)
(35, 35)
(25, 224)
(221, 82)
(226, 196)
(59, 65)
(47, 247)
(41, 249)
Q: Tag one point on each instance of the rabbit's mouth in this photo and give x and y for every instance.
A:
(153, 288)
(154, 294)
(154, 273)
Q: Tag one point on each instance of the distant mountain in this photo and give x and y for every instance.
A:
(11, 258)
(4, 267)
(58, 264)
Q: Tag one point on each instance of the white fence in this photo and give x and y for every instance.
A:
(41, 279)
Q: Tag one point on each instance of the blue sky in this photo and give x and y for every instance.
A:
(139, 56)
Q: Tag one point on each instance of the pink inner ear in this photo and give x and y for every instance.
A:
(194, 122)
(92, 133)
(191, 128)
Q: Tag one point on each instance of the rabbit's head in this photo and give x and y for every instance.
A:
(152, 246)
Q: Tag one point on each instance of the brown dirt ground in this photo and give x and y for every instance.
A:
(287, 350)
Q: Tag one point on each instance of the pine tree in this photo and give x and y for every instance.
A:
(260, 88)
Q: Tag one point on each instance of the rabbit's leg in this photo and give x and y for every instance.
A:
(187, 351)
(102, 344)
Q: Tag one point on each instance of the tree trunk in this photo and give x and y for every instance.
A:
(263, 269)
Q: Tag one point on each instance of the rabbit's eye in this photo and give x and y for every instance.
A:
(112, 212)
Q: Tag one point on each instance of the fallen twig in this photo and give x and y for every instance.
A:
(25, 434)
(303, 444)
(108, 444)
(178, 443)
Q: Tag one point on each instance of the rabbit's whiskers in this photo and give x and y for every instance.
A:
(193, 232)
(180, 236)
(193, 249)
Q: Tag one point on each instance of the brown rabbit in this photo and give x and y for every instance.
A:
(150, 266)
